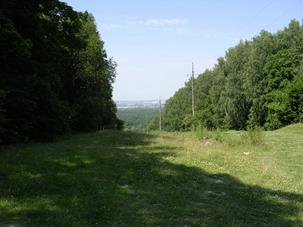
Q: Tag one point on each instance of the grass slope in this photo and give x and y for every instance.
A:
(167, 179)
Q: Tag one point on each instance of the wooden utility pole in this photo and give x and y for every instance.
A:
(192, 90)
(160, 114)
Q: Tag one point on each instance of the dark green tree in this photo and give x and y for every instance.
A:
(55, 75)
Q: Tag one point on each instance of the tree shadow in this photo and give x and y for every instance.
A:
(119, 179)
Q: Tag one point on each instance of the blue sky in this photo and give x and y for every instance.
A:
(154, 42)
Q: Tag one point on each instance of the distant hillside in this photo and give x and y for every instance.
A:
(123, 104)
(138, 117)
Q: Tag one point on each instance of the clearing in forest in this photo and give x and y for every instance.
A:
(127, 178)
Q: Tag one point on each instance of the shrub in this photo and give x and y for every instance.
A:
(253, 136)
(203, 133)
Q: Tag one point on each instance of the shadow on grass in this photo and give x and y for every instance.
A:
(119, 179)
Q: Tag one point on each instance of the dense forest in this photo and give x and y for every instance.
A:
(258, 83)
(55, 73)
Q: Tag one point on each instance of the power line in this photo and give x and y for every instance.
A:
(192, 90)
(297, 3)
(263, 8)
(160, 114)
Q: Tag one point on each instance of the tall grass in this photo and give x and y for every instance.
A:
(253, 136)
(205, 134)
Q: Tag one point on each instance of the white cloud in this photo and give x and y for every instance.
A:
(173, 26)
(158, 22)
(127, 23)
(202, 33)
(110, 25)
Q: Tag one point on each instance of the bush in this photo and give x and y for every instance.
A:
(203, 133)
(253, 136)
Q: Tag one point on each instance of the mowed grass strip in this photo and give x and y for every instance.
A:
(115, 178)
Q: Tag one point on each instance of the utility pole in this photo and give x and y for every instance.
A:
(160, 114)
(192, 90)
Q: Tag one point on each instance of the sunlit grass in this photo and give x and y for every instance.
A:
(163, 179)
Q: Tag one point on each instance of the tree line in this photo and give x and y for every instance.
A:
(137, 118)
(55, 73)
(258, 83)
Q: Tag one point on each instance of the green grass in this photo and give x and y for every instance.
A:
(157, 179)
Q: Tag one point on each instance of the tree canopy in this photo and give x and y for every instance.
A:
(55, 74)
(257, 83)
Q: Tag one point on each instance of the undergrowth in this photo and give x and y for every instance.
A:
(253, 136)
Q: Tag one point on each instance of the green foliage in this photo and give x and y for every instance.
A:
(258, 83)
(153, 124)
(138, 118)
(205, 134)
(55, 74)
(176, 110)
(295, 93)
(280, 69)
(253, 136)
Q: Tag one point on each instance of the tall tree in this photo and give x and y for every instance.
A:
(55, 75)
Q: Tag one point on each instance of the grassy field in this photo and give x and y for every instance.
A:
(161, 179)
